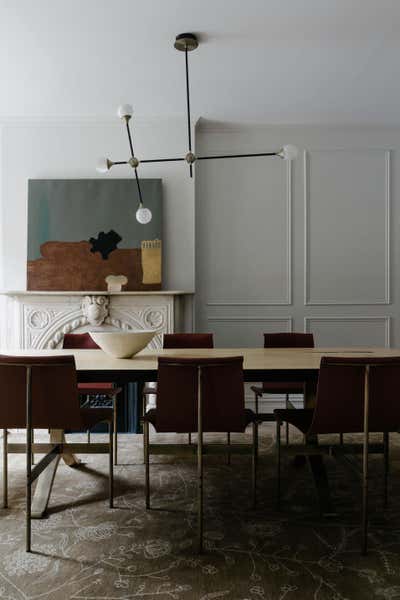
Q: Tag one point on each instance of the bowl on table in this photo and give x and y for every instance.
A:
(122, 344)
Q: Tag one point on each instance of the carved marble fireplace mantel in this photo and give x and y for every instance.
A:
(40, 319)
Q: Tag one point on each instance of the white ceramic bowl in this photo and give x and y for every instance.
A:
(122, 344)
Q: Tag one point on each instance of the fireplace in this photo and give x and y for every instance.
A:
(40, 319)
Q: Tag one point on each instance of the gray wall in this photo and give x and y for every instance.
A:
(311, 245)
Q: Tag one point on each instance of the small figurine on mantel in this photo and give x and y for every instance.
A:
(115, 282)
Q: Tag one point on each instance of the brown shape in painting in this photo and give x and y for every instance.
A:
(72, 266)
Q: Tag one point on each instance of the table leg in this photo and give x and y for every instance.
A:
(45, 480)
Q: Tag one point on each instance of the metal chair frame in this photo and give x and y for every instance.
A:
(51, 450)
(342, 451)
(199, 450)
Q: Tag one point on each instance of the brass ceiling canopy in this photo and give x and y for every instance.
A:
(186, 41)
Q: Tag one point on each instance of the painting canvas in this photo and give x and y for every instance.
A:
(81, 231)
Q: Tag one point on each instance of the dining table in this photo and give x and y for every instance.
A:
(259, 364)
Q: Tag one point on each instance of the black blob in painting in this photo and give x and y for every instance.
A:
(105, 243)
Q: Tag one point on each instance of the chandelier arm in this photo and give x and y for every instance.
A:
(138, 187)
(188, 108)
(133, 156)
(120, 162)
(156, 160)
(128, 129)
(237, 155)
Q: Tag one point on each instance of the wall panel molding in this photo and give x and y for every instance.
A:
(245, 319)
(287, 300)
(307, 210)
(245, 331)
(384, 320)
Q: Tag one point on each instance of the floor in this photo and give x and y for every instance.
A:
(84, 550)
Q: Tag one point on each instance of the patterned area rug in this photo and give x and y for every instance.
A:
(83, 550)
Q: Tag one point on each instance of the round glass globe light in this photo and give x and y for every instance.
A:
(143, 215)
(125, 110)
(102, 165)
(289, 152)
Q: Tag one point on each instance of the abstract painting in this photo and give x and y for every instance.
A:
(81, 231)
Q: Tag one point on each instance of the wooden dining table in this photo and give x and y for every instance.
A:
(259, 364)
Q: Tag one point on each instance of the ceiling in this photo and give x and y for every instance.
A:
(270, 61)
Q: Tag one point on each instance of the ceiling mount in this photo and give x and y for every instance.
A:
(186, 41)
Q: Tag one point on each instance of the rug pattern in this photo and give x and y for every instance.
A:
(84, 550)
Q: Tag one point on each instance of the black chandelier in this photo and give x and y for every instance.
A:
(184, 42)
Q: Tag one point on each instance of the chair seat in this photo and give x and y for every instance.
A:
(279, 387)
(92, 416)
(300, 418)
(94, 389)
(249, 415)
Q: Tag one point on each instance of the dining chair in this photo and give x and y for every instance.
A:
(179, 341)
(199, 396)
(282, 340)
(84, 341)
(354, 395)
(42, 392)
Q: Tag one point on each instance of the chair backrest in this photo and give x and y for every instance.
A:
(188, 340)
(288, 340)
(54, 395)
(340, 395)
(222, 394)
(79, 341)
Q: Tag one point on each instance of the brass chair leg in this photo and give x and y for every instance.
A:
(228, 441)
(115, 419)
(278, 465)
(287, 423)
(5, 468)
(199, 462)
(254, 463)
(33, 439)
(28, 488)
(111, 463)
(364, 522)
(146, 461)
(386, 467)
(200, 494)
(28, 458)
(88, 431)
(143, 413)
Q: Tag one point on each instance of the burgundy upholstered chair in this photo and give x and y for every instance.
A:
(282, 340)
(199, 396)
(42, 392)
(182, 340)
(188, 340)
(354, 395)
(84, 341)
